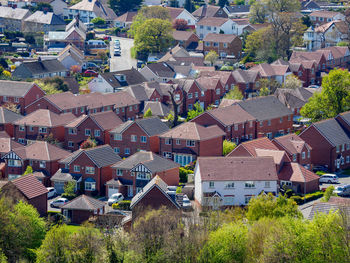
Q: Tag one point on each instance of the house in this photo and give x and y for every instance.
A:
(237, 11)
(297, 149)
(62, 177)
(73, 35)
(160, 72)
(40, 69)
(7, 118)
(306, 67)
(216, 25)
(12, 18)
(247, 82)
(122, 103)
(157, 108)
(132, 174)
(322, 17)
(29, 189)
(213, 90)
(294, 99)
(40, 155)
(91, 167)
(186, 39)
(182, 13)
(209, 11)
(71, 56)
(326, 35)
(19, 93)
(226, 78)
(277, 72)
(184, 143)
(42, 21)
(115, 81)
(233, 181)
(132, 136)
(178, 56)
(336, 56)
(90, 9)
(237, 124)
(81, 208)
(96, 126)
(125, 20)
(308, 6)
(153, 196)
(58, 6)
(41, 124)
(7, 144)
(72, 84)
(273, 118)
(224, 45)
(330, 143)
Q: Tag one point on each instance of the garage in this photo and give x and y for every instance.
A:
(112, 189)
(59, 187)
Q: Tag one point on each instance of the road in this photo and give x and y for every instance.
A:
(124, 61)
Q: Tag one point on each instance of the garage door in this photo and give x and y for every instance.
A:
(59, 186)
(112, 190)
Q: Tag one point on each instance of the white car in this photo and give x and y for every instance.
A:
(186, 203)
(59, 202)
(115, 198)
(51, 192)
(343, 190)
(329, 178)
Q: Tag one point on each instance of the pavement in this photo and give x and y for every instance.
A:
(51, 208)
(124, 61)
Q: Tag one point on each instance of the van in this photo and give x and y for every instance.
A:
(329, 178)
(343, 190)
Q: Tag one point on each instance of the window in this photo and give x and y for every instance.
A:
(247, 198)
(177, 97)
(209, 27)
(211, 184)
(202, 93)
(267, 184)
(31, 128)
(116, 149)
(14, 163)
(236, 127)
(119, 172)
(225, 45)
(97, 133)
(143, 139)
(130, 108)
(269, 135)
(89, 170)
(196, 94)
(261, 123)
(343, 147)
(189, 96)
(249, 184)
(118, 137)
(190, 107)
(87, 132)
(218, 92)
(348, 146)
(90, 184)
(183, 159)
(269, 122)
(5, 98)
(190, 143)
(337, 148)
(289, 117)
(42, 130)
(70, 144)
(348, 159)
(168, 141)
(134, 138)
(177, 142)
(167, 155)
(117, 110)
(21, 140)
(76, 168)
(21, 128)
(201, 27)
(127, 151)
(72, 131)
(82, 109)
(308, 153)
(230, 185)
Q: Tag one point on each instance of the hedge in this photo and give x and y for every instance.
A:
(307, 198)
(122, 205)
(68, 196)
(183, 173)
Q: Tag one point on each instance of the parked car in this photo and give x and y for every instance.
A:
(115, 198)
(343, 190)
(321, 168)
(329, 178)
(51, 192)
(118, 212)
(107, 38)
(186, 203)
(90, 73)
(117, 52)
(59, 202)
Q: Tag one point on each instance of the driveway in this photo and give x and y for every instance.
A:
(343, 179)
(52, 208)
(124, 61)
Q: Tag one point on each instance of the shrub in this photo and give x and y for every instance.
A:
(179, 190)
(68, 196)
(122, 205)
(320, 172)
(313, 196)
(297, 199)
(183, 173)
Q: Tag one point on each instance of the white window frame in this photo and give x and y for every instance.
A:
(97, 133)
(87, 133)
(89, 170)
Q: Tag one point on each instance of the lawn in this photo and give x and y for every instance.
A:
(73, 229)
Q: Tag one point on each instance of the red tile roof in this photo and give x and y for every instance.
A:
(7, 144)
(251, 146)
(174, 12)
(291, 143)
(230, 115)
(296, 173)
(193, 131)
(323, 13)
(212, 21)
(237, 169)
(221, 38)
(30, 186)
(46, 118)
(279, 157)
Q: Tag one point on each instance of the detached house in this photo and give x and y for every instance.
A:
(7, 118)
(40, 155)
(41, 124)
(186, 39)
(125, 20)
(7, 144)
(20, 93)
(132, 174)
(216, 25)
(42, 21)
(233, 181)
(247, 81)
(40, 69)
(132, 136)
(160, 72)
(12, 18)
(209, 11)
(91, 167)
(184, 143)
(96, 126)
(71, 56)
(223, 45)
(323, 17)
(277, 72)
(182, 13)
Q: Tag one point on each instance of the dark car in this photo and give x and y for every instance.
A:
(320, 168)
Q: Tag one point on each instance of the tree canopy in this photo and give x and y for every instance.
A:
(332, 100)
(211, 57)
(122, 6)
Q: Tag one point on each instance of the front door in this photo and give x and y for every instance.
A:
(338, 163)
(130, 191)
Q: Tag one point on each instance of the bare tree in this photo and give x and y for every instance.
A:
(175, 104)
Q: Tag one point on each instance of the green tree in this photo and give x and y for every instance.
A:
(264, 91)
(196, 111)
(267, 205)
(211, 57)
(228, 147)
(29, 170)
(222, 3)
(154, 36)
(258, 45)
(258, 13)
(292, 82)
(234, 94)
(122, 6)
(189, 6)
(328, 193)
(3, 258)
(332, 100)
(148, 113)
(227, 244)
(69, 188)
(98, 21)
(41, 7)
(239, 2)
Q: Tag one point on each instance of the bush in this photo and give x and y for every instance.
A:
(298, 199)
(122, 205)
(320, 173)
(313, 196)
(183, 173)
(179, 190)
(68, 196)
